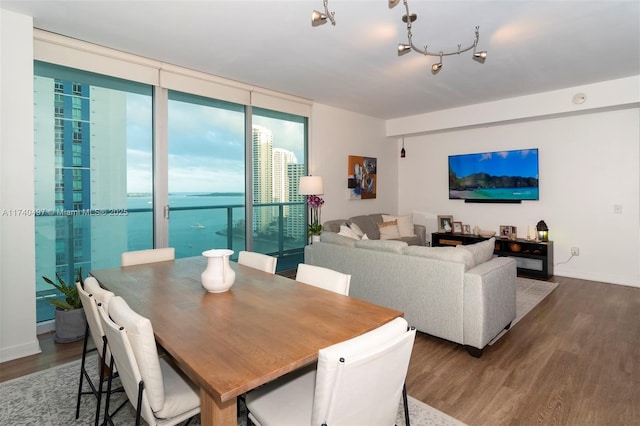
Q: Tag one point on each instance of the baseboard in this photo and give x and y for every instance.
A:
(19, 351)
(45, 327)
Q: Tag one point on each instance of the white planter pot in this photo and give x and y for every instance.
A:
(218, 277)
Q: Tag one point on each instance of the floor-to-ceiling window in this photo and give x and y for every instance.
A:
(159, 156)
(93, 173)
(278, 146)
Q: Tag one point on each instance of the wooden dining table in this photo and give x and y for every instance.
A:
(229, 343)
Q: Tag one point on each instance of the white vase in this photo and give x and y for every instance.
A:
(315, 238)
(218, 277)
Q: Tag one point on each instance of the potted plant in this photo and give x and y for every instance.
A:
(71, 322)
(315, 227)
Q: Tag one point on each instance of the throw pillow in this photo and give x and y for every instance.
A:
(364, 237)
(405, 224)
(356, 229)
(482, 251)
(348, 232)
(389, 230)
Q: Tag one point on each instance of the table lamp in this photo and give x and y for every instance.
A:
(543, 231)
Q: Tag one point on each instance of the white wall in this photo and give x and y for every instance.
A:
(588, 163)
(336, 134)
(17, 238)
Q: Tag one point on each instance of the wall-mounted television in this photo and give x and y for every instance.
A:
(500, 176)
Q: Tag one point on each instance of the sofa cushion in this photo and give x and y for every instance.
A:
(389, 230)
(450, 254)
(481, 252)
(334, 238)
(382, 245)
(405, 224)
(367, 224)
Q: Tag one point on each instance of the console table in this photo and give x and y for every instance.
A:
(534, 258)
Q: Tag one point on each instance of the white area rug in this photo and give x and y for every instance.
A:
(48, 398)
(528, 294)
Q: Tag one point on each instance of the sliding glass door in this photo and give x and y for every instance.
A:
(206, 174)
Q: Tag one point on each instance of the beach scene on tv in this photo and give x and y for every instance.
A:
(500, 175)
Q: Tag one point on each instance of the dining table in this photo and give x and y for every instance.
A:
(265, 326)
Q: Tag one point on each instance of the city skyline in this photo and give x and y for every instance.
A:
(201, 143)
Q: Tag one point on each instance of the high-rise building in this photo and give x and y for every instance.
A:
(296, 222)
(276, 173)
(281, 183)
(80, 155)
(262, 147)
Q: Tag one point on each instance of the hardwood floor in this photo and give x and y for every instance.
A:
(52, 354)
(573, 360)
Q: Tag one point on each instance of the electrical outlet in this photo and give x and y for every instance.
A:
(575, 251)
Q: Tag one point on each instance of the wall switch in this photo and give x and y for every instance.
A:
(575, 251)
(617, 208)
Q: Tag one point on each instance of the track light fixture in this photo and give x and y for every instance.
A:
(435, 68)
(403, 48)
(319, 18)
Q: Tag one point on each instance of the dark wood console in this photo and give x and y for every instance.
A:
(534, 259)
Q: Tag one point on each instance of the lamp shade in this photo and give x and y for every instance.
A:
(311, 185)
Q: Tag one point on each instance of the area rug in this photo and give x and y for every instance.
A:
(48, 398)
(528, 294)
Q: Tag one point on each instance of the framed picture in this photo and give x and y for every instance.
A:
(457, 227)
(466, 229)
(362, 177)
(445, 223)
(508, 231)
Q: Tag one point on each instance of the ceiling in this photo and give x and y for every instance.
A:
(533, 46)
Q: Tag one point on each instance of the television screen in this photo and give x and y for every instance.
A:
(501, 176)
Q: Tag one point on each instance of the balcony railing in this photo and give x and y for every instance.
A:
(94, 239)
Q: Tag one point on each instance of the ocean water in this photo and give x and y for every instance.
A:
(196, 222)
(498, 194)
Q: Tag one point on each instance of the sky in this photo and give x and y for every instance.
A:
(206, 146)
(522, 163)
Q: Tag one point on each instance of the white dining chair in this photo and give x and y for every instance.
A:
(356, 382)
(159, 393)
(325, 278)
(90, 296)
(140, 257)
(260, 261)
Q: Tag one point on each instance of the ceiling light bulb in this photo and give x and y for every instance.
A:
(435, 68)
(403, 48)
(393, 3)
(318, 18)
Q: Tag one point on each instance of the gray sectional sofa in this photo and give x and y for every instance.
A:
(369, 225)
(461, 294)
